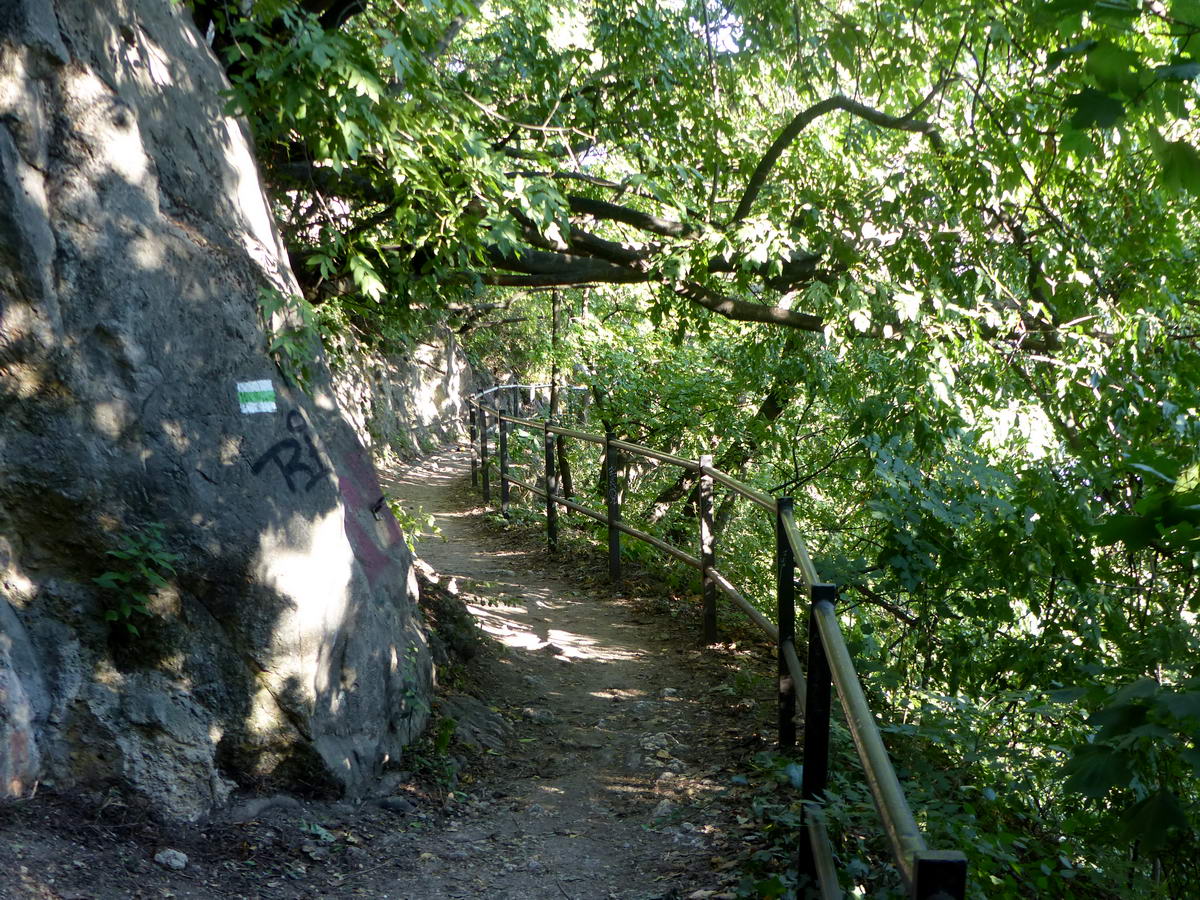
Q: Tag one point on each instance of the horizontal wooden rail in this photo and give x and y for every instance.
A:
(660, 544)
(826, 869)
(525, 387)
(537, 492)
(578, 435)
(928, 874)
(747, 607)
(766, 501)
(690, 464)
(516, 420)
(583, 510)
(807, 571)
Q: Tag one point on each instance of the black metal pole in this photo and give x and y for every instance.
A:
(708, 557)
(483, 456)
(612, 500)
(785, 602)
(939, 874)
(551, 491)
(474, 461)
(503, 466)
(817, 708)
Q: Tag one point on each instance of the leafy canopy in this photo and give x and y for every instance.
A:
(927, 264)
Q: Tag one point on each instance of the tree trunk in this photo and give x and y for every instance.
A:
(564, 464)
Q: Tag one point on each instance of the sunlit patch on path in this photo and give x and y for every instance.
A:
(606, 790)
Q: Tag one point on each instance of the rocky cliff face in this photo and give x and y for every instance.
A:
(409, 402)
(140, 413)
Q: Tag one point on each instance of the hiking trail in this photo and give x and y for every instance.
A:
(590, 757)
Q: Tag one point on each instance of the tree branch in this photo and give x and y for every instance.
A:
(876, 599)
(564, 269)
(601, 209)
(742, 311)
(792, 130)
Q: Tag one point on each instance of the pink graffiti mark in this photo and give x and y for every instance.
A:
(19, 762)
(360, 491)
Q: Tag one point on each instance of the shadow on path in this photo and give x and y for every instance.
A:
(605, 787)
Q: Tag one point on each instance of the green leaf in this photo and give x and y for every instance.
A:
(1192, 758)
(1095, 769)
(1180, 167)
(1187, 11)
(1114, 68)
(1136, 532)
(1094, 109)
(111, 580)
(1178, 72)
(1116, 721)
(1067, 694)
(1152, 821)
(1142, 689)
(770, 888)
(1155, 470)
(1182, 704)
(1055, 59)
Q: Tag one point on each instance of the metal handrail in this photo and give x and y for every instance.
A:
(807, 570)
(926, 873)
(528, 423)
(662, 545)
(756, 616)
(571, 433)
(898, 822)
(526, 387)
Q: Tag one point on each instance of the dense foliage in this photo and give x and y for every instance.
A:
(928, 266)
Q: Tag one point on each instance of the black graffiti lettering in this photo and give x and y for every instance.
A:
(316, 458)
(292, 466)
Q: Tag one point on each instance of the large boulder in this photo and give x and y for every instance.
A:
(140, 413)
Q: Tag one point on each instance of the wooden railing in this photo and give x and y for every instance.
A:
(927, 873)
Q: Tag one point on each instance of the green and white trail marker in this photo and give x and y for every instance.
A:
(256, 396)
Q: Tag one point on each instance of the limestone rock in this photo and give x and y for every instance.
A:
(171, 859)
(135, 388)
(406, 403)
(23, 705)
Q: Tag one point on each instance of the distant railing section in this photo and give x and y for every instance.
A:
(927, 873)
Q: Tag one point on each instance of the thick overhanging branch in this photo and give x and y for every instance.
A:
(541, 268)
(601, 209)
(743, 311)
(792, 130)
(348, 183)
(563, 269)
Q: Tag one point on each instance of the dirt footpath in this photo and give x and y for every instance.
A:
(587, 753)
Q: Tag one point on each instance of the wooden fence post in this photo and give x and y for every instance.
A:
(612, 500)
(503, 466)
(483, 456)
(551, 490)
(708, 557)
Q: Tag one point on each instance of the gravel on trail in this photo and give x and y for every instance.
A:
(585, 752)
